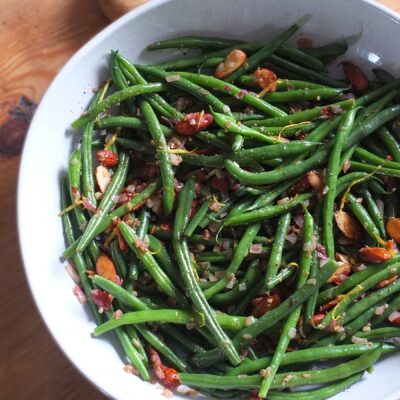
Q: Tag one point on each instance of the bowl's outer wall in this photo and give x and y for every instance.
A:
(375, 38)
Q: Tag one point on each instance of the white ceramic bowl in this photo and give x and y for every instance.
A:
(374, 33)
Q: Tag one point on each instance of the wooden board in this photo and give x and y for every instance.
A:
(36, 38)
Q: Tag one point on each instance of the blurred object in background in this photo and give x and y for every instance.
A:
(113, 9)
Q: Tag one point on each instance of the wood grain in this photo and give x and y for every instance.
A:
(36, 38)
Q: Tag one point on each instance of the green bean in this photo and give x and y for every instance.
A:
(304, 72)
(174, 316)
(133, 272)
(182, 338)
(352, 178)
(283, 274)
(163, 258)
(155, 100)
(277, 175)
(377, 106)
(288, 84)
(196, 42)
(363, 217)
(187, 86)
(194, 292)
(373, 211)
(239, 253)
(390, 142)
(352, 281)
(198, 217)
(132, 354)
(135, 145)
(249, 279)
(193, 42)
(221, 86)
(245, 116)
(288, 130)
(137, 343)
(377, 93)
(162, 348)
(358, 134)
(88, 189)
(245, 156)
(128, 122)
(300, 57)
(307, 115)
(74, 174)
(275, 257)
(318, 394)
(370, 301)
(393, 305)
(383, 75)
(357, 291)
(309, 307)
(317, 135)
(380, 333)
(167, 173)
(270, 318)
(106, 202)
(78, 260)
(119, 261)
(329, 50)
(297, 378)
(213, 140)
(333, 170)
(123, 296)
(116, 98)
(237, 143)
(268, 197)
(310, 355)
(291, 321)
(370, 158)
(215, 57)
(348, 330)
(160, 277)
(231, 126)
(268, 211)
(298, 95)
(120, 81)
(119, 212)
(263, 53)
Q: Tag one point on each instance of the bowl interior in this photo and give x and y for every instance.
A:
(367, 27)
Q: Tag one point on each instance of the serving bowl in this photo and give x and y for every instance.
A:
(371, 31)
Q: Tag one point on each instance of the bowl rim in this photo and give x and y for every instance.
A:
(24, 166)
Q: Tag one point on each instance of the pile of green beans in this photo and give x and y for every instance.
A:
(239, 236)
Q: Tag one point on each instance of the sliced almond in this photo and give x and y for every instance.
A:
(393, 229)
(106, 268)
(103, 178)
(316, 181)
(375, 255)
(347, 225)
(234, 60)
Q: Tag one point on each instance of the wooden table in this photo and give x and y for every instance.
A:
(36, 38)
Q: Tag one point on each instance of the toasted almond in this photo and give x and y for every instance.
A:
(347, 225)
(316, 181)
(234, 60)
(103, 178)
(106, 268)
(266, 79)
(375, 254)
(393, 229)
